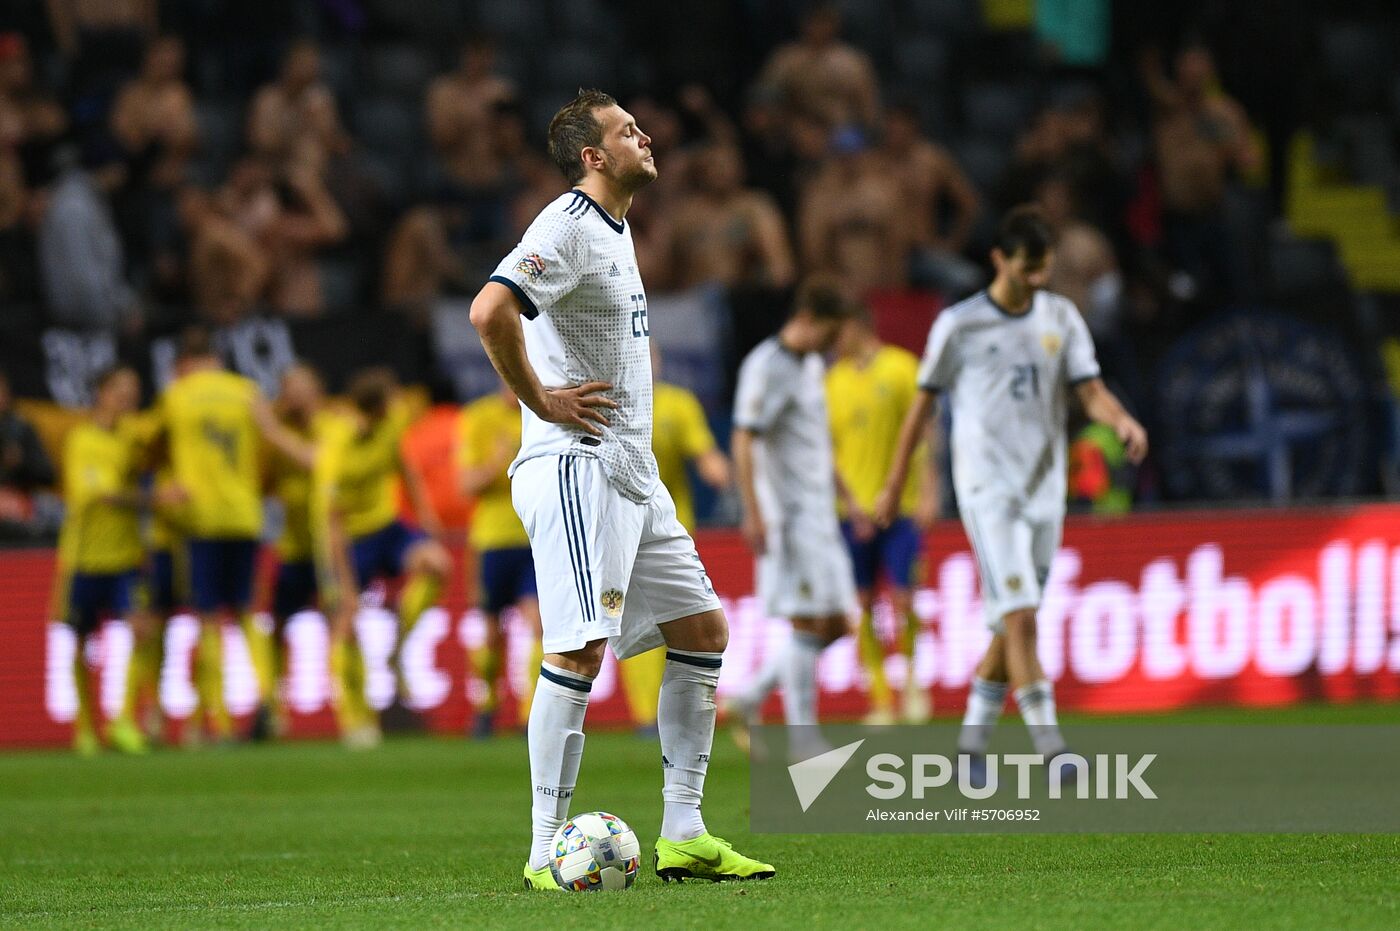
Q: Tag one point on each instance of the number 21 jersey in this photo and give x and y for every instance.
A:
(1006, 377)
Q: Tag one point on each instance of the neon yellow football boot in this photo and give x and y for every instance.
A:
(124, 735)
(706, 857)
(539, 879)
(85, 742)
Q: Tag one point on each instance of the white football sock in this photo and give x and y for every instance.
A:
(556, 749)
(800, 678)
(1037, 704)
(769, 675)
(984, 702)
(685, 716)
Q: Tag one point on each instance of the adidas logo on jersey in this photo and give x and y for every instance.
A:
(613, 272)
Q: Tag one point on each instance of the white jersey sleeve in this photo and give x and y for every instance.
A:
(939, 367)
(546, 264)
(765, 387)
(1081, 364)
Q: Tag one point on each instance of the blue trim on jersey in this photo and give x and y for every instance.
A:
(571, 482)
(1014, 316)
(569, 539)
(1076, 382)
(618, 225)
(527, 306)
(576, 206)
(578, 685)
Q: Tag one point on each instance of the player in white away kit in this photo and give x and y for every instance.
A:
(1006, 359)
(787, 483)
(612, 561)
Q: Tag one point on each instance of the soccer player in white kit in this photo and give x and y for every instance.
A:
(564, 321)
(1006, 359)
(787, 484)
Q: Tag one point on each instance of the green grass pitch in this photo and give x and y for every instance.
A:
(431, 832)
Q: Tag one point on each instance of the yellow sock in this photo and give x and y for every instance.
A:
(339, 704)
(419, 594)
(641, 680)
(486, 665)
(279, 671)
(351, 706)
(908, 634)
(872, 655)
(85, 722)
(142, 675)
(209, 679)
(532, 675)
(260, 651)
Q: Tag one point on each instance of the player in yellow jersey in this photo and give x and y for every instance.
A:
(213, 421)
(680, 436)
(100, 549)
(489, 432)
(869, 390)
(166, 588)
(300, 407)
(365, 467)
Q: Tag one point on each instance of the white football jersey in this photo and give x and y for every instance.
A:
(575, 273)
(781, 398)
(1007, 377)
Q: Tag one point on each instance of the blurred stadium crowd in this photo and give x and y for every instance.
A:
(1221, 180)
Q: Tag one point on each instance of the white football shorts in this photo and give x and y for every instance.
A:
(806, 570)
(605, 566)
(1014, 551)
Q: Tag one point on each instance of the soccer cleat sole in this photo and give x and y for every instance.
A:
(680, 874)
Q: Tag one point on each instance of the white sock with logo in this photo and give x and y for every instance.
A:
(984, 703)
(685, 716)
(800, 678)
(1037, 704)
(556, 749)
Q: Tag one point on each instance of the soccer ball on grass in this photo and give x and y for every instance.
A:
(595, 851)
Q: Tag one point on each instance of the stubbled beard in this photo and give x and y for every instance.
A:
(639, 177)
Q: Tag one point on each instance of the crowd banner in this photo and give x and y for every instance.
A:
(1141, 613)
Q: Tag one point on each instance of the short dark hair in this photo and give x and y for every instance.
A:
(101, 379)
(1025, 227)
(822, 297)
(195, 342)
(371, 389)
(575, 128)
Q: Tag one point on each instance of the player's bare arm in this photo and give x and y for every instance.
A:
(475, 479)
(496, 315)
(279, 435)
(1102, 407)
(887, 504)
(754, 530)
(861, 522)
(930, 496)
(713, 469)
(419, 500)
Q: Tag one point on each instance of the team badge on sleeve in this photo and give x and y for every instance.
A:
(532, 266)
